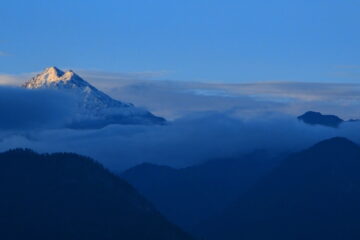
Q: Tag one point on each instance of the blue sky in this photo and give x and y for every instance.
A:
(197, 40)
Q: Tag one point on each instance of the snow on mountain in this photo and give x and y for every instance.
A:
(95, 108)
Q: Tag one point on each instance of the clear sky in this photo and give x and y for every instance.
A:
(207, 40)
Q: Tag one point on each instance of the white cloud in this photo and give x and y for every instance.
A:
(174, 99)
(185, 142)
(13, 80)
(3, 54)
(210, 120)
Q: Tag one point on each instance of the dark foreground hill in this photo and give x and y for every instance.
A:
(190, 195)
(314, 194)
(67, 196)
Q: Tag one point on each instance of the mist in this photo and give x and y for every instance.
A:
(187, 141)
(37, 120)
(22, 109)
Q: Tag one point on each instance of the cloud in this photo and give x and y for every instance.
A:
(184, 142)
(118, 79)
(348, 66)
(24, 109)
(209, 120)
(346, 73)
(3, 54)
(14, 80)
(174, 99)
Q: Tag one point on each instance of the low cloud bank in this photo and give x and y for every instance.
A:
(184, 142)
(208, 120)
(23, 109)
(175, 99)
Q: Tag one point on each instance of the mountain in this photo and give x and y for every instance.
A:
(95, 108)
(314, 194)
(67, 196)
(190, 195)
(316, 118)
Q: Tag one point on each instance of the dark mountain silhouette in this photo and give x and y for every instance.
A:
(67, 196)
(190, 195)
(314, 194)
(316, 118)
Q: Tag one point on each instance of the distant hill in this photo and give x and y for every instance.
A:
(67, 196)
(190, 195)
(312, 195)
(316, 118)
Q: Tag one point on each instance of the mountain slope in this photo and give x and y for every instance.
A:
(190, 195)
(95, 108)
(314, 194)
(67, 196)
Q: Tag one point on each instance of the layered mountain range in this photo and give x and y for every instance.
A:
(199, 191)
(313, 194)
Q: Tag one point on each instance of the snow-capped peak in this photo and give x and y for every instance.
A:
(53, 76)
(92, 102)
(52, 73)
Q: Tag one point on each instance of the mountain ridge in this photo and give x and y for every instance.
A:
(198, 191)
(68, 196)
(313, 194)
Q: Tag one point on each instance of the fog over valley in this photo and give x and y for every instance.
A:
(192, 135)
